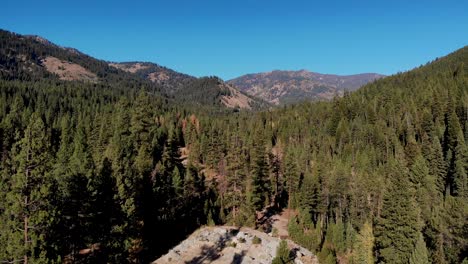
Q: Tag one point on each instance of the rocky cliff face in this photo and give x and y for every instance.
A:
(232, 245)
(280, 87)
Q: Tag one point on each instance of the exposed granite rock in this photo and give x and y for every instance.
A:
(231, 245)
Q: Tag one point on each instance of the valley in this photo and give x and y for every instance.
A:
(133, 162)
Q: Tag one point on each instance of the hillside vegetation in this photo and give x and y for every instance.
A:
(93, 173)
(32, 58)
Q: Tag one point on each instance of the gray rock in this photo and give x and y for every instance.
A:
(223, 245)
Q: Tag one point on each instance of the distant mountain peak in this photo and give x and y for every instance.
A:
(280, 87)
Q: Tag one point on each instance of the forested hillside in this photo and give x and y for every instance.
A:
(166, 78)
(22, 58)
(32, 58)
(115, 174)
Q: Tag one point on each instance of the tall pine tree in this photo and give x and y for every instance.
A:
(28, 203)
(397, 227)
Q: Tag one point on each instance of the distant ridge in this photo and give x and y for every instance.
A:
(34, 58)
(282, 87)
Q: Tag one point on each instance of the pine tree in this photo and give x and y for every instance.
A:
(419, 172)
(105, 217)
(77, 177)
(171, 153)
(119, 151)
(292, 177)
(419, 255)
(259, 173)
(438, 256)
(177, 183)
(364, 247)
(235, 194)
(28, 208)
(140, 122)
(140, 130)
(194, 190)
(310, 196)
(397, 227)
(460, 165)
(214, 149)
(97, 137)
(81, 162)
(283, 254)
(453, 129)
(423, 186)
(350, 236)
(438, 167)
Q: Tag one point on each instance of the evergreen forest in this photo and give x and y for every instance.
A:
(118, 172)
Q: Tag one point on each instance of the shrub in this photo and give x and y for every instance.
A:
(256, 240)
(274, 232)
(283, 254)
(231, 244)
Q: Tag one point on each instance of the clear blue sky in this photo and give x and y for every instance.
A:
(231, 38)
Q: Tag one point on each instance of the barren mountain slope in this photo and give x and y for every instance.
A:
(279, 87)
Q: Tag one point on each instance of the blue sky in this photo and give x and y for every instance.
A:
(232, 38)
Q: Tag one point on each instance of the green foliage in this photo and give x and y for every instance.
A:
(292, 177)
(438, 168)
(203, 91)
(259, 182)
(363, 250)
(274, 232)
(397, 227)
(28, 212)
(116, 164)
(419, 255)
(306, 235)
(231, 244)
(256, 240)
(283, 254)
(327, 256)
(460, 165)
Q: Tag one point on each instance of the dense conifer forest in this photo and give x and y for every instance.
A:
(105, 173)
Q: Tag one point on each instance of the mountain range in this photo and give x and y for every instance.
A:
(30, 57)
(107, 162)
(33, 57)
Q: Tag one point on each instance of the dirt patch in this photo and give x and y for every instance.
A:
(158, 76)
(68, 71)
(236, 99)
(280, 222)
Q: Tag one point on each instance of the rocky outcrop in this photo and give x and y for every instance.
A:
(226, 244)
